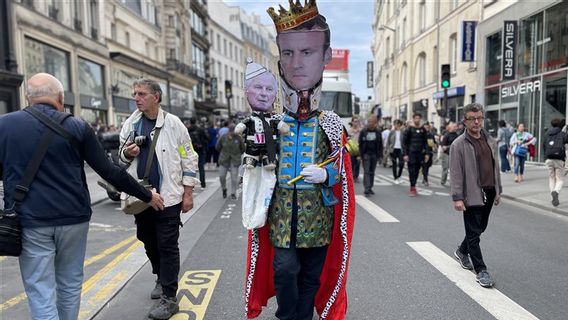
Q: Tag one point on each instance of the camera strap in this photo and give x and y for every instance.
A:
(151, 154)
(32, 167)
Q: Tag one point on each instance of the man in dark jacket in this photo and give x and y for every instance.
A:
(415, 150)
(199, 140)
(56, 211)
(371, 148)
(554, 150)
(447, 141)
(475, 187)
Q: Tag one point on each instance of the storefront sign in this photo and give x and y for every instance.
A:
(520, 89)
(468, 41)
(369, 74)
(455, 91)
(509, 46)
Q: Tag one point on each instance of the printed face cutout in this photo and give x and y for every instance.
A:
(261, 92)
(302, 58)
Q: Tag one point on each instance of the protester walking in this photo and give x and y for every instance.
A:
(199, 140)
(503, 137)
(519, 142)
(415, 143)
(56, 210)
(475, 186)
(431, 147)
(157, 146)
(394, 150)
(554, 148)
(231, 146)
(371, 148)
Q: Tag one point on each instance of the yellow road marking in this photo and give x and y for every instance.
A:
(102, 294)
(88, 285)
(22, 296)
(194, 293)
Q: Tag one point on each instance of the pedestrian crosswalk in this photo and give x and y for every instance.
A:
(382, 180)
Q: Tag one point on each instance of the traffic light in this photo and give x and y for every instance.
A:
(228, 89)
(445, 78)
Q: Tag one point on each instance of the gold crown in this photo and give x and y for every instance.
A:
(286, 20)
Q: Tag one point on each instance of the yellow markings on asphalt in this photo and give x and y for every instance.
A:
(195, 290)
(108, 289)
(88, 285)
(22, 296)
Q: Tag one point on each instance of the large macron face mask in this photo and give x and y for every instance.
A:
(302, 58)
(261, 92)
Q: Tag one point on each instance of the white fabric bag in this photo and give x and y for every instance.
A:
(258, 185)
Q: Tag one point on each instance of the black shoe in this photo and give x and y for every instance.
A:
(233, 196)
(203, 185)
(555, 201)
(157, 292)
(166, 309)
(224, 193)
(463, 259)
(484, 279)
(367, 193)
(371, 192)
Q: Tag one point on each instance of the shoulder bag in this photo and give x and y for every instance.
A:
(130, 204)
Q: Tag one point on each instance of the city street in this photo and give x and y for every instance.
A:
(401, 266)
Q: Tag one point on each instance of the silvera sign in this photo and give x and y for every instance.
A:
(509, 48)
(520, 89)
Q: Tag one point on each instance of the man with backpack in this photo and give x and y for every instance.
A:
(553, 145)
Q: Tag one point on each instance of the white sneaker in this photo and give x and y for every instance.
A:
(396, 181)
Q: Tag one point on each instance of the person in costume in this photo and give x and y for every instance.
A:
(259, 131)
(301, 256)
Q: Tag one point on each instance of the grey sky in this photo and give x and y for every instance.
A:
(350, 24)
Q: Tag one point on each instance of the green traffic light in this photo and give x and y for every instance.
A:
(445, 84)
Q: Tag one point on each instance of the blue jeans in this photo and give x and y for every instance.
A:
(51, 265)
(520, 165)
(503, 150)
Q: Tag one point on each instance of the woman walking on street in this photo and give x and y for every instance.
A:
(503, 138)
(520, 149)
(230, 146)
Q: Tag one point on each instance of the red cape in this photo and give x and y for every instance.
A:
(331, 298)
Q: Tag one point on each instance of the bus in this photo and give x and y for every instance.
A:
(336, 87)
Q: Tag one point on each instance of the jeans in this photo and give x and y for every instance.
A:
(297, 280)
(520, 165)
(51, 265)
(369, 166)
(505, 166)
(426, 166)
(234, 177)
(397, 163)
(201, 165)
(556, 174)
(355, 166)
(159, 231)
(415, 160)
(445, 168)
(475, 220)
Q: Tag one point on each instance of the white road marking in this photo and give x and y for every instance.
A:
(442, 194)
(100, 225)
(374, 210)
(492, 300)
(380, 182)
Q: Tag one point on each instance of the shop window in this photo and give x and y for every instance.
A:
(556, 41)
(492, 96)
(554, 97)
(493, 59)
(40, 57)
(529, 47)
(529, 104)
(91, 78)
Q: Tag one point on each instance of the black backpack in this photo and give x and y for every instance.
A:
(555, 146)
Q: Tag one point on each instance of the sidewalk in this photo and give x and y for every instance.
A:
(532, 191)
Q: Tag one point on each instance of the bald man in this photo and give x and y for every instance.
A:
(56, 211)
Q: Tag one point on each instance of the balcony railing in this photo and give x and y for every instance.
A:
(176, 65)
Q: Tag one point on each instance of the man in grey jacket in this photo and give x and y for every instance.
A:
(475, 186)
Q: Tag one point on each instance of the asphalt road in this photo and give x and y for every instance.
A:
(402, 269)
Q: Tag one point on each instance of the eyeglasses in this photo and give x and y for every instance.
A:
(475, 118)
(140, 94)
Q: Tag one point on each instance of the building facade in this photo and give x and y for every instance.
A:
(227, 60)
(523, 65)
(412, 39)
(10, 79)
